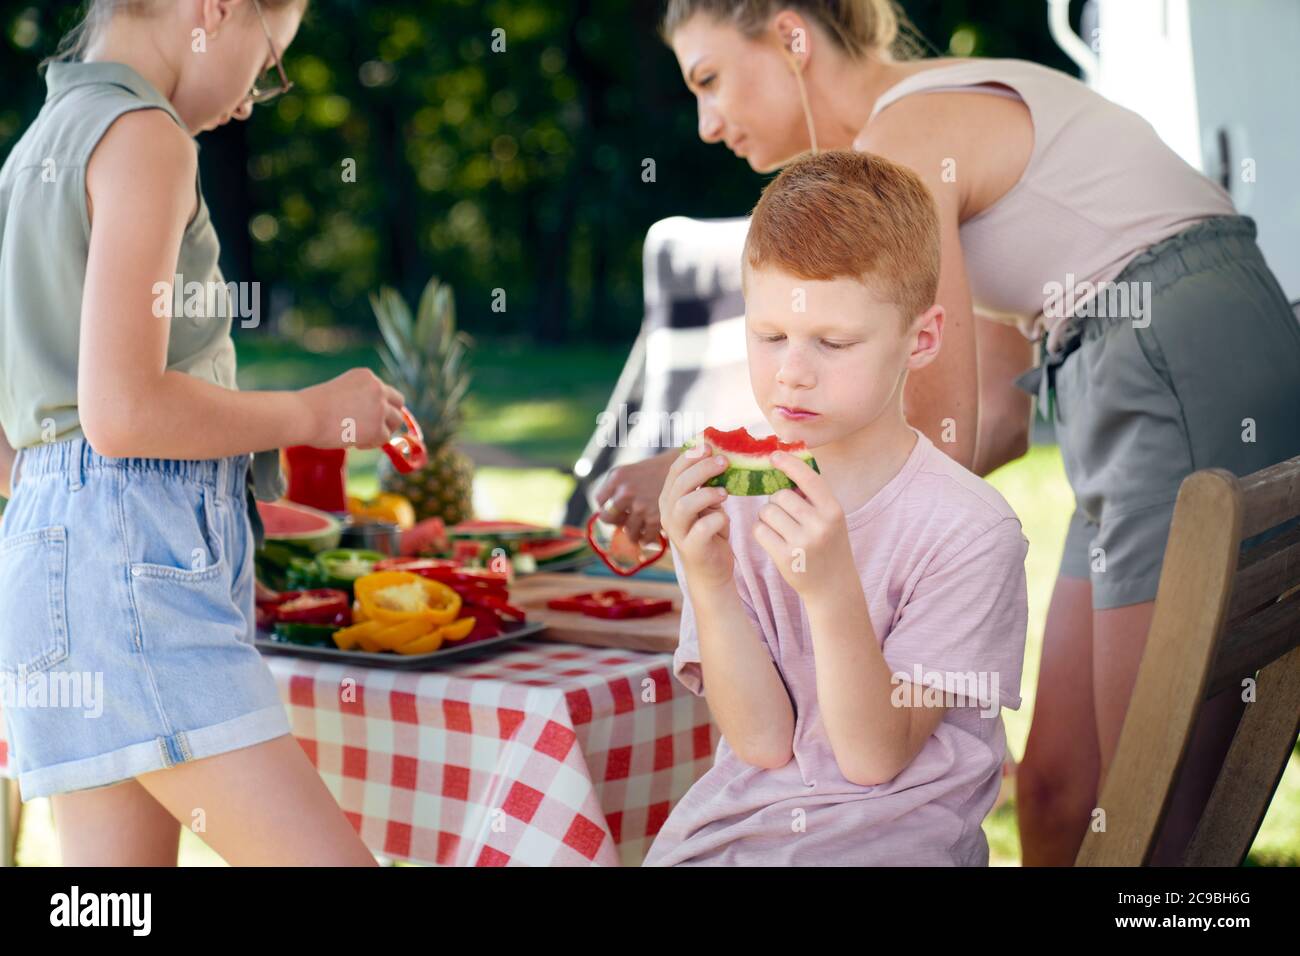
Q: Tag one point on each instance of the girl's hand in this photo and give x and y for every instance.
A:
(693, 518)
(629, 496)
(354, 410)
(804, 532)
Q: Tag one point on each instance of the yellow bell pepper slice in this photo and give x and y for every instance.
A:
(423, 645)
(395, 597)
(457, 629)
(347, 638)
(434, 639)
(393, 636)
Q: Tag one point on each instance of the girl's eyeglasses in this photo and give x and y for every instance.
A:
(265, 89)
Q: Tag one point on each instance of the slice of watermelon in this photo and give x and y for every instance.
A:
(749, 466)
(499, 530)
(555, 549)
(299, 526)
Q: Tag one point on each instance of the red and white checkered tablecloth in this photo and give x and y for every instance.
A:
(540, 754)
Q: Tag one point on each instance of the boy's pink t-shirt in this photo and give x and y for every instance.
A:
(941, 558)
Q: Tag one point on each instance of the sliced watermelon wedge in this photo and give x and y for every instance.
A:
(749, 465)
(499, 530)
(555, 549)
(308, 529)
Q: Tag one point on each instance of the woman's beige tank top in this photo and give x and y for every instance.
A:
(1100, 187)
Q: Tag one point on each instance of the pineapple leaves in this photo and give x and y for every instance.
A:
(426, 357)
(396, 374)
(395, 325)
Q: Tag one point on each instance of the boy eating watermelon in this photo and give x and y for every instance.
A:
(857, 633)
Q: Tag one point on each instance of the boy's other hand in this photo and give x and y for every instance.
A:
(693, 518)
(804, 533)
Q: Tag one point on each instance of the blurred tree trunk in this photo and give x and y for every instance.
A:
(223, 174)
(555, 301)
(399, 232)
(228, 191)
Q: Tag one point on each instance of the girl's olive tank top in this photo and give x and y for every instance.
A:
(44, 244)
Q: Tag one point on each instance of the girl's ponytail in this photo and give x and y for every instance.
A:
(76, 41)
(98, 13)
(859, 27)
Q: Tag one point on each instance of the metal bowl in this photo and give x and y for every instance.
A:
(382, 536)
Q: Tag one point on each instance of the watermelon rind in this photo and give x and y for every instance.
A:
(750, 475)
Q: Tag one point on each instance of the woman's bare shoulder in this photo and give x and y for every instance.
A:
(980, 141)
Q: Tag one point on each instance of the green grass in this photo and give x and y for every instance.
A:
(542, 403)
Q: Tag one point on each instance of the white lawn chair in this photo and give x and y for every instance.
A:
(687, 368)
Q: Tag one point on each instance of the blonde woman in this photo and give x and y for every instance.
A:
(1043, 187)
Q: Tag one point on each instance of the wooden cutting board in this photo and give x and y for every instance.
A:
(637, 634)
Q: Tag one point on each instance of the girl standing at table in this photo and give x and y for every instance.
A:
(126, 552)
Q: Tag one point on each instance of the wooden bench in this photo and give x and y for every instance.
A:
(1224, 614)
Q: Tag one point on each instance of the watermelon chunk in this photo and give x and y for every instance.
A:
(304, 528)
(499, 529)
(749, 465)
(550, 550)
(426, 537)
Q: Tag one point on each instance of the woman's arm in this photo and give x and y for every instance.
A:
(942, 399)
(1005, 410)
(629, 495)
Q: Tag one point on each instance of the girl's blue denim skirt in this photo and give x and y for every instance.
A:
(127, 617)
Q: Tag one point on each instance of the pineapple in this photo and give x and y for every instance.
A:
(425, 359)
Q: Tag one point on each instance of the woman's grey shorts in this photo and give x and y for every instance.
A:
(1205, 375)
(126, 617)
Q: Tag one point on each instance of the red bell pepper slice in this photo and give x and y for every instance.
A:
(500, 605)
(407, 452)
(614, 604)
(486, 623)
(319, 606)
(631, 608)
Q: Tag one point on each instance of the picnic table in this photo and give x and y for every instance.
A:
(538, 753)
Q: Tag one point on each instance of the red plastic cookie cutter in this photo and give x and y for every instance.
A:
(648, 558)
(407, 452)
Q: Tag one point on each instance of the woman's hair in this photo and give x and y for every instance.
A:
(850, 215)
(79, 39)
(858, 27)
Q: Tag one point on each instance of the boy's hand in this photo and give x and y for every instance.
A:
(693, 519)
(804, 532)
